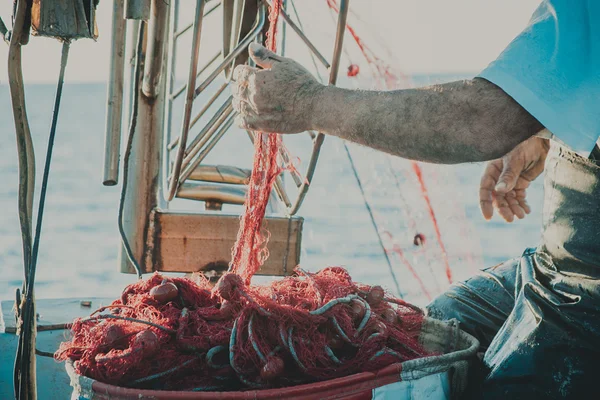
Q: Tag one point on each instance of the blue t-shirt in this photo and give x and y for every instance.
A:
(552, 69)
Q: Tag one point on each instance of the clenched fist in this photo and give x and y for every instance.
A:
(280, 98)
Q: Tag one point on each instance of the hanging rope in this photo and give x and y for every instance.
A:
(250, 251)
(26, 345)
(26, 185)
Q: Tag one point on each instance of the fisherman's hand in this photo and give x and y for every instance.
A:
(505, 181)
(277, 99)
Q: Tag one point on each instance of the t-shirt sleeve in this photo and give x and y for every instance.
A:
(552, 69)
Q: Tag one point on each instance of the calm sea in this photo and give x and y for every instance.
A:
(78, 253)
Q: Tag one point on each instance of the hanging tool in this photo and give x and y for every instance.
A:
(48, 18)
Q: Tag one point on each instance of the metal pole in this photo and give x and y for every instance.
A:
(284, 8)
(143, 180)
(242, 46)
(114, 111)
(302, 36)
(155, 48)
(134, 31)
(170, 85)
(333, 74)
(189, 99)
(339, 41)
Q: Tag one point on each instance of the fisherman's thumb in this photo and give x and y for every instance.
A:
(262, 56)
(508, 178)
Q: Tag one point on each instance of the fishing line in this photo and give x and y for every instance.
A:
(312, 56)
(26, 330)
(388, 76)
(370, 211)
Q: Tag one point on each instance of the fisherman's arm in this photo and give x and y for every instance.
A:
(456, 122)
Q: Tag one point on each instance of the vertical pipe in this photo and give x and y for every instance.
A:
(142, 196)
(227, 24)
(339, 41)
(189, 99)
(155, 48)
(333, 74)
(135, 28)
(236, 31)
(114, 110)
(170, 84)
(283, 29)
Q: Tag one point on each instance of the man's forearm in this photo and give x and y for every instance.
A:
(464, 121)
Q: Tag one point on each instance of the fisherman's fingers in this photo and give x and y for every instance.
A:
(509, 207)
(486, 187)
(505, 211)
(520, 196)
(486, 203)
(511, 171)
(263, 57)
(516, 207)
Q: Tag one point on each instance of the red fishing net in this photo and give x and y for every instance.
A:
(250, 250)
(183, 334)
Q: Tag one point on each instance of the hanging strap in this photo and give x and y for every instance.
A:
(25, 387)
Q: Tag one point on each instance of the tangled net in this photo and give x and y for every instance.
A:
(181, 334)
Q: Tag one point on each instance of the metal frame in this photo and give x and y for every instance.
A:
(333, 74)
(165, 240)
(181, 162)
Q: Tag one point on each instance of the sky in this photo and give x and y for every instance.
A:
(425, 36)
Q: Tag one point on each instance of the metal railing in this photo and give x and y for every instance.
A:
(184, 154)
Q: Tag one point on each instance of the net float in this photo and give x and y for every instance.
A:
(272, 369)
(419, 239)
(226, 286)
(164, 292)
(390, 315)
(146, 340)
(112, 335)
(358, 309)
(375, 295)
(353, 70)
(336, 342)
(379, 327)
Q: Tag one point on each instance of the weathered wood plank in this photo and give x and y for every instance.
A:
(192, 242)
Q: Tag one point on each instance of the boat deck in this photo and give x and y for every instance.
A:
(52, 378)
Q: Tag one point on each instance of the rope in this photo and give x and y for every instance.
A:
(25, 152)
(28, 320)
